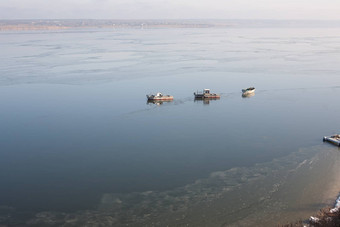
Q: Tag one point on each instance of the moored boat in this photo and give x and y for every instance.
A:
(248, 90)
(334, 139)
(205, 94)
(159, 97)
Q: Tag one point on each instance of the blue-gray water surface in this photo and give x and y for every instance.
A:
(75, 123)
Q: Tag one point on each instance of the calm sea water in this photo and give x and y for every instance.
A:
(77, 133)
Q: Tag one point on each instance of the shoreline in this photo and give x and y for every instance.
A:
(327, 216)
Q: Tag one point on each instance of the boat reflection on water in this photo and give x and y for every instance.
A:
(157, 102)
(206, 101)
(248, 95)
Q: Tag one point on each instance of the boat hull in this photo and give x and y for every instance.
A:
(163, 98)
(332, 140)
(160, 99)
(205, 96)
(247, 91)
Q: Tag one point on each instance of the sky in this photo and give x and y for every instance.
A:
(170, 9)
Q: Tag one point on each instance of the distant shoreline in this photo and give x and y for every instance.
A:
(56, 24)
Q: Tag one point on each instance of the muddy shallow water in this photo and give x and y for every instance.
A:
(287, 189)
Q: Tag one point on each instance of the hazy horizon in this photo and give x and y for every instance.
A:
(175, 9)
(174, 19)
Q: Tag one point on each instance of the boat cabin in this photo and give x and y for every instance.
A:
(159, 96)
(205, 94)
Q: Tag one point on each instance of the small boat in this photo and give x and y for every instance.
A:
(334, 139)
(159, 97)
(205, 94)
(247, 91)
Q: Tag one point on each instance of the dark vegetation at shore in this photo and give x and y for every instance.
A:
(325, 218)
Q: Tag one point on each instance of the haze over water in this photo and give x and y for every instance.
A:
(77, 133)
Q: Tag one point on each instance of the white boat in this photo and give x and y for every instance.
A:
(249, 90)
(334, 139)
(159, 96)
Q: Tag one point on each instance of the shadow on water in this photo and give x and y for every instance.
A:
(157, 102)
(248, 95)
(206, 101)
